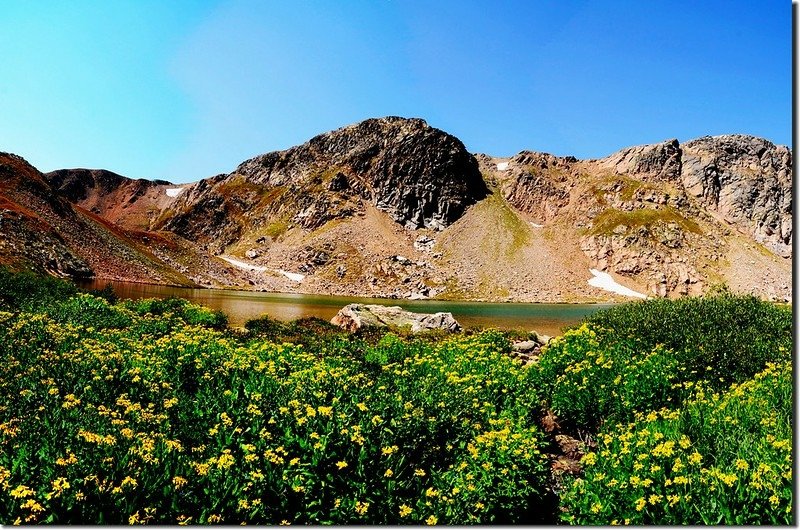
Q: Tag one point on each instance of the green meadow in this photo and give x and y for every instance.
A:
(155, 411)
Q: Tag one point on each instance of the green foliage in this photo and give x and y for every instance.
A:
(28, 291)
(266, 327)
(181, 423)
(589, 377)
(184, 310)
(734, 334)
(722, 459)
(90, 311)
(392, 349)
(106, 293)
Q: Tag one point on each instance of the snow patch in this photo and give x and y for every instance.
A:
(293, 275)
(174, 192)
(243, 265)
(502, 166)
(603, 280)
(536, 225)
(248, 267)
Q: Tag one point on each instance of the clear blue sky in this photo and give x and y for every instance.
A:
(183, 90)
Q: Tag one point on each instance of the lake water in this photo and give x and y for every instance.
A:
(241, 306)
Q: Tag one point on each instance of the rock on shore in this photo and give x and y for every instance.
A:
(353, 317)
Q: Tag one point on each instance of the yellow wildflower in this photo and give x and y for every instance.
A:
(59, 486)
(33, 506)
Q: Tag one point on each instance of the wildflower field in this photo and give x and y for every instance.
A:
(155, 412)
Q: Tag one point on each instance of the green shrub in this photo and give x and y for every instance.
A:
(188, 312)
(266, 327)
(734, 334)
(722, 459)
(392, 349)
(106, 293)
(90, 311)
(26, 291)
(588, 377)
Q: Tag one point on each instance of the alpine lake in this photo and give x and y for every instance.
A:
(241, 306)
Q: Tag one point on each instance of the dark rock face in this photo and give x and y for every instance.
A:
(75, 184)
(748, 181)
(421, 176)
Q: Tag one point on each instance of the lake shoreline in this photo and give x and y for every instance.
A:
(90, 284)
(243, 305)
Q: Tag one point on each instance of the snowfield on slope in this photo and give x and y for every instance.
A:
(604, 281)
(294, 276)
(173, 192)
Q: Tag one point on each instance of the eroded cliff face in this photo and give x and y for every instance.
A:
(747, 181)
(420, 176)
(28, 213)
(41, 229)
(666, 214)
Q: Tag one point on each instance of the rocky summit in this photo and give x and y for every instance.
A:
(420, 176)
(392, 207)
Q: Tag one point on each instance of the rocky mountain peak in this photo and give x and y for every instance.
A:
(654, 162)
(420, 175)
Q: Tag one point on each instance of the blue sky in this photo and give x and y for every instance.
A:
(183, 90)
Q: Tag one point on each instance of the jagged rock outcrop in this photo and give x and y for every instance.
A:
(747, 181)
(540, 183)
(419, 175)
(655, 162)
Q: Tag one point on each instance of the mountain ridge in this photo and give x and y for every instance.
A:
(393, 207)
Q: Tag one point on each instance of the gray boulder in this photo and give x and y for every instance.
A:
(353, 317)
